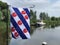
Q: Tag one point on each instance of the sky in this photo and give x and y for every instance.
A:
(52, 7)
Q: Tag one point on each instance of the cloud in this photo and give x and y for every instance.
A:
(25, 1)
(56, 5)
(40, 1)
(54, 9)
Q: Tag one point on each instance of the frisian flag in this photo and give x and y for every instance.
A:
(20, 22)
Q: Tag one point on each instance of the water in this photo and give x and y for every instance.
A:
(39, 35)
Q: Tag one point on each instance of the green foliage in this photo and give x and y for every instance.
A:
(0, 15)
(49, 20)
(33, 16)
(53, 18)
(2, 33)
(5, 14)
(3, 9)
(44, 16)
(3, 5)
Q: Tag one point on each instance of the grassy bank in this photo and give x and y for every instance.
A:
(50, 22)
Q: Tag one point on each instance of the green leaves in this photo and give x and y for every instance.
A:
(44, 16)
(33, 16)
(3, 5)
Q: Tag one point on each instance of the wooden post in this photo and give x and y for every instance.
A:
(7, 27)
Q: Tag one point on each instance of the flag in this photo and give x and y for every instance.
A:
(20, 22)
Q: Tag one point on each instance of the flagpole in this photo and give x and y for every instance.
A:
(7, 27)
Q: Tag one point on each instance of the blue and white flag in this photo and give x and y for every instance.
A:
(20, 22)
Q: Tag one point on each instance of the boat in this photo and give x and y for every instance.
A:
(41, 23)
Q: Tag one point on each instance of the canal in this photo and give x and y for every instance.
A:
(39, 35)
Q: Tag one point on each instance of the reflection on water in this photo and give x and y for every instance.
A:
(39, 35)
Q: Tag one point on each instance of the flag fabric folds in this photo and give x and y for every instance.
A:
(20, 22)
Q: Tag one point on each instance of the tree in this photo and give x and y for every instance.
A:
(53, 18)
(0, 15)
(5, 14)
(33, 16)
(3, 8)
(3, 5)
(44, 16)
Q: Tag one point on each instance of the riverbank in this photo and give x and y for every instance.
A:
(49, 22)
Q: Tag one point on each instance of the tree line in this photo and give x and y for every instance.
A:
(45, 17)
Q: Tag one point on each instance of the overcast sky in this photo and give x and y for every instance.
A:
(52, 7)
